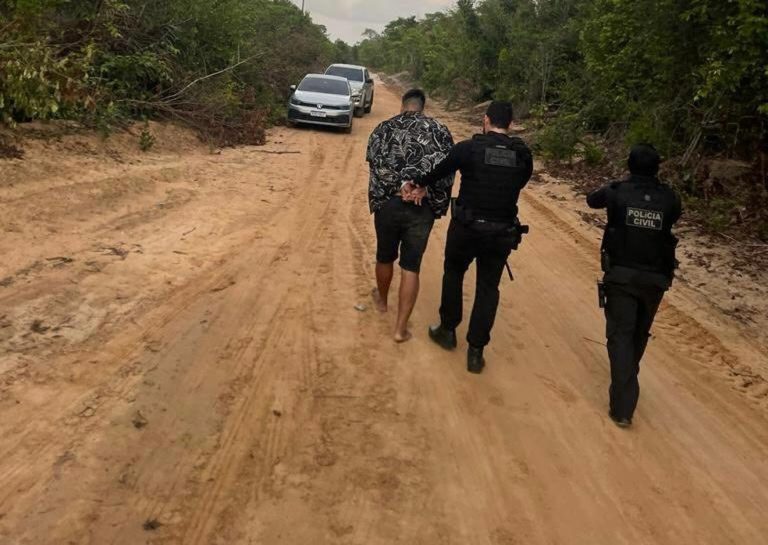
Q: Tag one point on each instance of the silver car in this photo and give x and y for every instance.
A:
(322, 100)
(361, 82)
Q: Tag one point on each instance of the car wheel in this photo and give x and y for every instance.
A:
(359, 112)
(348, 130)
(370, 105)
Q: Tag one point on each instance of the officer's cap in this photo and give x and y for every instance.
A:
(644, 160)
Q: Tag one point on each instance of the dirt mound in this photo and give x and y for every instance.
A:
(402, 81)
(44, 140)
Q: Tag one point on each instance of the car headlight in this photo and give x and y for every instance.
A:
(295, 101)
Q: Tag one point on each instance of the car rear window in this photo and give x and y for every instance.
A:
(352, 74)
(324, 85)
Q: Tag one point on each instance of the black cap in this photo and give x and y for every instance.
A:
(644, 160)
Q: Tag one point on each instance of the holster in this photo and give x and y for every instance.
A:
(461, 214)
(605, 260)
(518, 230)
(512, 232)
(602, 298)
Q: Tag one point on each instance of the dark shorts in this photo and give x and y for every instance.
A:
(402, 227)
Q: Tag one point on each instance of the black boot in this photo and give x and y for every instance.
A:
(446, 338)
(622, 422)
(475, 360)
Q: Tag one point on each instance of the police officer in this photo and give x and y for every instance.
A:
(638, 255)
(494, 167)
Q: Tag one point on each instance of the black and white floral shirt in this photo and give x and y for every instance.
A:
(404, 148)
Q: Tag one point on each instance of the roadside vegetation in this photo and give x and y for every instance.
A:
(222, 67)
(594, 75)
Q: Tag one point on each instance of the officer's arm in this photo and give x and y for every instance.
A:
(678, 209)
(445, 168)
(528, 169)
(598, 198)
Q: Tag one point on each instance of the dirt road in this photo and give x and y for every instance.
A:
(181, 362)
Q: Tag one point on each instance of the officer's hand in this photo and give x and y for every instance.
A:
(406, 191)
(418, 194)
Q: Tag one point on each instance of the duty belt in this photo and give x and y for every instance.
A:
(491, 227)
(494, 225)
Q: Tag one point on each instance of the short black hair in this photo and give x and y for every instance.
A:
(416, 97)
(644, 160)
(500, 114)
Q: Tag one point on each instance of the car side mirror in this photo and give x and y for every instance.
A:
(369, 80)
(293, 89)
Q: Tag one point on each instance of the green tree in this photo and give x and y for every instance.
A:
(211, 65)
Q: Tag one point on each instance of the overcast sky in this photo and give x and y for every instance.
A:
(347, 19)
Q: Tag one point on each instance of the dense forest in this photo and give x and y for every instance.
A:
(221, 66)
(690, 76)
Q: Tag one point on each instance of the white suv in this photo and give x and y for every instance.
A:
(361, 82)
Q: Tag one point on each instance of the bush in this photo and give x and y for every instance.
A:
(558, 139)
(592, 153)
(651, 128)
(147, 140)
(31, 83)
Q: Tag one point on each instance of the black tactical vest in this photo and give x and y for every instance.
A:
(641, 213)
(491, 185)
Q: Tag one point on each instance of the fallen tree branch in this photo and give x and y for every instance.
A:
(16, 45)
(729, 238)
(694, 144)
(209, 76)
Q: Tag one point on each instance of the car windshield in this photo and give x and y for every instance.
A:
(352, 74)
(325, 85)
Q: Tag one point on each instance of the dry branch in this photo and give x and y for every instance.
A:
(209, 76)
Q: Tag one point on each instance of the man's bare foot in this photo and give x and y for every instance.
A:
(378, 302)
(403, 337)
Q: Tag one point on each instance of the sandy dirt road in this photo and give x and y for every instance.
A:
(181, 362)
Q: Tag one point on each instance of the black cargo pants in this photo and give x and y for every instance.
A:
(629, 312)
(465, 244)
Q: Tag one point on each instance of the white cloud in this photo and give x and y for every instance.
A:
(347, 19)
